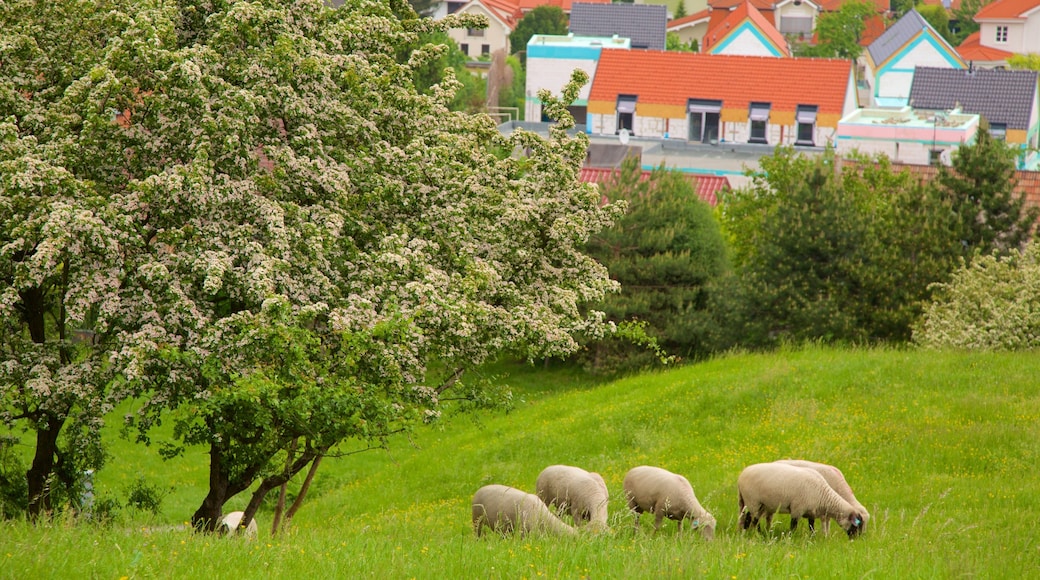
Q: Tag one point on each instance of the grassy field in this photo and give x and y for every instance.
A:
(942, 448)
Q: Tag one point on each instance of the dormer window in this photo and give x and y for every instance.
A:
(626, 112)
(758, 116)
(805, 117)
(1002, 34)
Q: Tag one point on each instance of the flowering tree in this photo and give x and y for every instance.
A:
(303, 234)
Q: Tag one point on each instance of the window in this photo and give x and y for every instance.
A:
(998, 131)
(805, 117)
(758, 115)
(485, 49)
(464, 48)
(935, 157)
(626, 112)
(474, 32)
(704, 120)
(1002, 34)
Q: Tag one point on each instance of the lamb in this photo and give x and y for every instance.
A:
(768, 488)
(580, 492)
(231, 522)
(665, 494)
(507, 509)
(836, 480)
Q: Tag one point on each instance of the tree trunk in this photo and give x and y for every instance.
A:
(42, 466)
(209, 513)
(303, 491)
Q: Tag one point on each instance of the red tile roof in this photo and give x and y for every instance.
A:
(706, 186)
(1027, 183)
(745, 11)
(1007, 9)
(672, 78)
(508, 11)
(565, 5)
(972, 50)
(691, 19)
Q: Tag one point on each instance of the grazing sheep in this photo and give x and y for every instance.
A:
(836, 480)
(665, 494)
(231, 523)
(769, 488)
(580, 492)
(507, 509)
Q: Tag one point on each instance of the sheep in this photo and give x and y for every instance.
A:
(836, 480)
(582, 493)
(507, 509)
(768, 488)
(230, 525)
(665, 494)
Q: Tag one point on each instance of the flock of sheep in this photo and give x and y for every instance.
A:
(804, 489)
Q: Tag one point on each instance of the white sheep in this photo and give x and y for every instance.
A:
(507, 509)
(768, 488)
(836, 480)
(584, 494)
(665, 494)
(231, 523)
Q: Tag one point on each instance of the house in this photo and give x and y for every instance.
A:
(502, 17)
(891, 59)
(1011, 25)
(796, 17)
(745, 31)
(906, 135)
(690, 28)
(550, 61)
(977, 55)
(749, 99)
(1006, 99)
(644, 24)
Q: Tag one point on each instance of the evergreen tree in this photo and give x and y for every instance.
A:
(665, 251)
(545, 19)
(981, 188)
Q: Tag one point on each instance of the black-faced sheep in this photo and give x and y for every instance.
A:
(836, 480)
(231, 525)
(584, 494)
(506, 510)
(769, 488)
(665, 494)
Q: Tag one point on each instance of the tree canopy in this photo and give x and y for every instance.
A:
(545, 19)
(838, 33)
(274, 241)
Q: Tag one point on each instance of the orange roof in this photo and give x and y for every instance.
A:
(1007, 9)
(508, 11)
(746, 11)
(762, 5)
(565, 5)
(706, 186)
(873, 27)
(973, 50)
(691, 19)
(672, 78)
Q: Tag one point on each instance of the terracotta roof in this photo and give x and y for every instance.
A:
(745, 12)
(565, 5)
(973, 50)
(672, 78)
(873, 27)
(706, 186)
(1007, 9)
(508, 11)
(762, 5)
(1027, 183)
(694, 18)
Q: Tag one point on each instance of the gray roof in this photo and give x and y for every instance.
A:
(896, 36)
(1001, 96)
(645, 24)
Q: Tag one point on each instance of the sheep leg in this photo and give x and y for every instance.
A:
(812, 523)
(658, 518)
(794, 523)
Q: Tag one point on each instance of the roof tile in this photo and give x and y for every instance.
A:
(1002, 96)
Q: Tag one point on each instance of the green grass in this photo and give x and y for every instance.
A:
(942, 448)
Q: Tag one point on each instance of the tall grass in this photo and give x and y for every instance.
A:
(942, 448)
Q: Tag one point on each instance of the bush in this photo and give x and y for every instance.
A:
(14, 488)
(991, 304)
(144, 497)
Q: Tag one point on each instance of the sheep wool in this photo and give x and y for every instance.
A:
(581, 493)
(666, 495)
(231, 523)
(506, 510)
(768, 488)
(836, 479)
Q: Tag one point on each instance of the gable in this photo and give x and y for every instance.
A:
(746, 39)
(924, 50)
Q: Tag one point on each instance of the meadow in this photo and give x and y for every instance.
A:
(941, 447)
